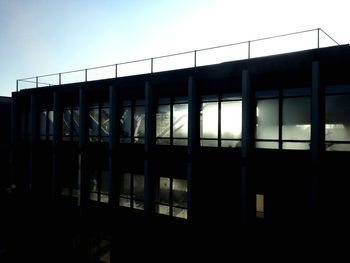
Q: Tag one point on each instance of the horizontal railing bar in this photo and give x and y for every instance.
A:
(284, 35)
(36, 82)
(175, 54)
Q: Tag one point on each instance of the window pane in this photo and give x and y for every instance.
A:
(93, 122)
(337, 146)
(66, 129)
(267, 119)
(125, 121)
(124, 202)
(231, 119)
(163, 121)
(139, 187)
(266, 145)
(338, 118)
(180, 193)
(139, 123)
(125, 185)
(94, 181)
(296, 145)
(260, 206)
(209, 120)
(163, 209)
(43, 122)
(105, 122)
(50, 120)
(164, 190)
(296, 119)
(76, 122)
(180, 212)
(180, 120)
(231, 143)
(104, 186)
(209, 143)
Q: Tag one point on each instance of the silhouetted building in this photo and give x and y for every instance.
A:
(251, 143)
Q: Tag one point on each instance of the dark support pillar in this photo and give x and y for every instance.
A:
(113, 144)
(33, 139)
(114, 174)
(83, 137)
(246, 198)
(57, 131)
(149, 145)
(193, 144)
(14, 140)
(317, 129)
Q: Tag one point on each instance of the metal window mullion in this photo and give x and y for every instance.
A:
(132, 113)
(219, 119)
(171, 135)
(99, 134)
(280, 118)
(131, 190)
(171, 197)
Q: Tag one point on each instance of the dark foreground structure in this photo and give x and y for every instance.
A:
(226, 150)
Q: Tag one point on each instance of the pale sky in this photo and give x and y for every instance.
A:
(40, 37)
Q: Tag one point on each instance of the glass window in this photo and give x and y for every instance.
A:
(125, 120)
(132, 191)
(76, 123)
(337, 128)
(267, 119)
(296, 122)
(125, 190)
(104, 122)
(139, 124)
(93, 123)
(231, 119)
(94, 186)
(104, 186)
(50, 123)
(43, 118)
(172, 197)
(66, 123)
(163, 124)
(260, 206)
(180, 124)
(138, 193)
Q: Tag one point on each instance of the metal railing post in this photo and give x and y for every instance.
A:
(17, 85)
(85, 75)
(249, 49)
(37, 82)
(195, 58)
(318, 38)
(59, 78)
(116, 70)
(151, 65)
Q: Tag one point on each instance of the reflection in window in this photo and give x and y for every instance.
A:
(172, 197)
(290, 130)
(132, 191)
(98, 182)
(70, 124)
(132, 122)
(337, 130)
(221, 120)
(99, 123)
(172, 121)
(46, 124)
(296, 123)
(259, 201)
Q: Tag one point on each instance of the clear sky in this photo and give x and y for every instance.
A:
(39, 37)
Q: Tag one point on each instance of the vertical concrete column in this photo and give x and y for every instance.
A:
(149, 145)
(15, 130)
(246, 197)
(114, 132)
(33, 137)
(193, 145)
(317, 129)
(83, 138)
(57, 138)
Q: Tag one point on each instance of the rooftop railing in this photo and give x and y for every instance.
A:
(302, 40)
